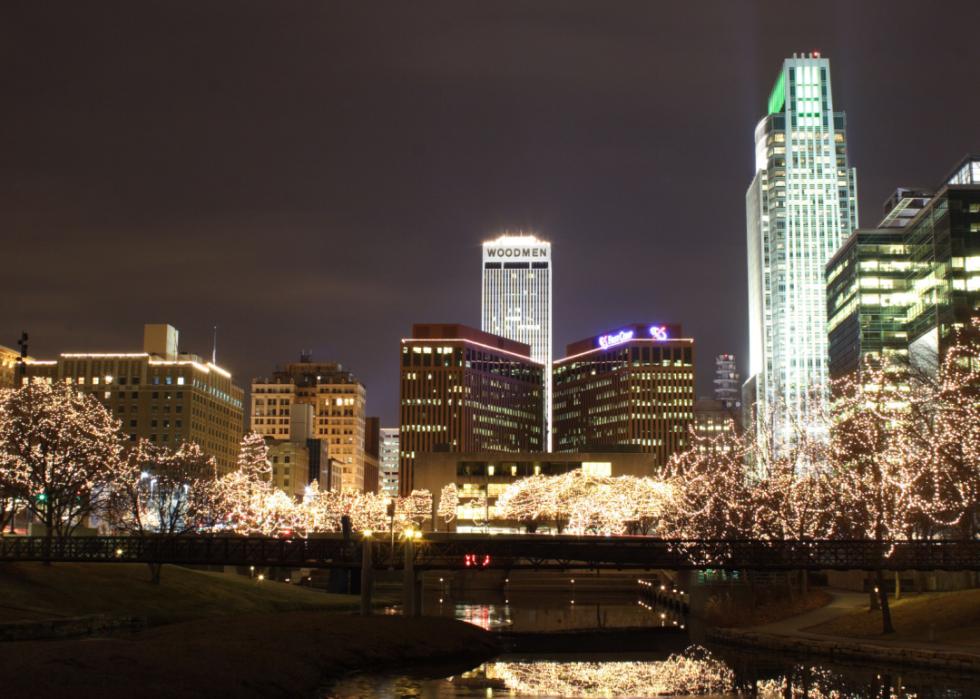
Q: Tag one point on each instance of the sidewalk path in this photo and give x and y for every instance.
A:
(793, 635)
(845, 602)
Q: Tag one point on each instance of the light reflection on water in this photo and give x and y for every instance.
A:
(696, 672)
(538, 615)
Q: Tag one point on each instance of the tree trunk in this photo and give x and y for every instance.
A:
(805, 583)
(898, 585)
(751, 584)
(155, 570)
(48, 538)
(886, 614)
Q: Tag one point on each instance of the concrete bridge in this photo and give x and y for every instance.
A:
(510, 552)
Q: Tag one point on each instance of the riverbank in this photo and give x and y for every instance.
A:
(812, 633)
(35, 592)
(289, 654)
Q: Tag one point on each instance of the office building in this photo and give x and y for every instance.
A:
(466, 390)
(160, 394)
(712, 418)
(372, 454)
(338, 401)
(630, 389)
(389, 461)
(516, 300)
(944, 276)
(9, 366)
(480, 477)
(800, 207)
(868, 299)
(728, 386)
(302, 459)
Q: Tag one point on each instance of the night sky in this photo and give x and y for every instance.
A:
(319, 175)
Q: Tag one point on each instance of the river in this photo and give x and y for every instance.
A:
(622, 645)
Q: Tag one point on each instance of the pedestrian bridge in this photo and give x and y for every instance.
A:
(506, 552)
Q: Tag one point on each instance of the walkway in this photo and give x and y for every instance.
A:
(792, 634)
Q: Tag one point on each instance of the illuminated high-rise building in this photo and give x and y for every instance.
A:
(466, 390)
(869, 282)
(516, 300)
(162, 394)
(338, 401)
(629, 389)
(389, 461)
(944, 277)
(727, 385)
(800, 207)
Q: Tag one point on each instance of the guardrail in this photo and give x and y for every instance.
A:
(451, 551)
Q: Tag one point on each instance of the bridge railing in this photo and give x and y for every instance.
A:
(447, 551)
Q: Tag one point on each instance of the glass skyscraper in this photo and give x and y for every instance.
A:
(800, 207)
(516, 300)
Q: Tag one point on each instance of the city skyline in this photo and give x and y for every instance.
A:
(600, 151)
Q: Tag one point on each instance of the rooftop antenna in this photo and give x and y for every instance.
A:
(214, 346)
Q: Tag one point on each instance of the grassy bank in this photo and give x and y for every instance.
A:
(951, 618)
(35, 591)
(288, 654)
(727, 614)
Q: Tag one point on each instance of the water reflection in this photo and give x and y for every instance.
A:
(544, 614)
(696, 672)
(693, 672)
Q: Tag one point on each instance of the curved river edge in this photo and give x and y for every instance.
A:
(268, 655)
(846, 649)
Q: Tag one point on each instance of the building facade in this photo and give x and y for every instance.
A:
(160, 394)
(800, 207)
(868, 297)
(516, 300)
(728, 386)
(632, 388)
(466, 390)
(389, 461)
(338, 401)
(713, 418)
(9, 366)
(372, 454)
(944, 246)
(480, 477)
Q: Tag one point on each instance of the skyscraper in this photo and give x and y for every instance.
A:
(800, 207)
(944, 276)
(466, 390)
(869, 283)
(727, 389)
(629, 389)
(516, 300)
(389, 461)
(338, 401)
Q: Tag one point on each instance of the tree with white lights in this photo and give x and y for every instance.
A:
(529, 501)
(240, 496)
(711, 493)
(59, 451)
(415, 508)
(448, 503)
(160, 492)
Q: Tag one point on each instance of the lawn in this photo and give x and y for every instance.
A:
(35, 591)
(953, 616)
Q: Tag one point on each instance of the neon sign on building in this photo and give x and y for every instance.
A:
(615, 338)
(657, 332)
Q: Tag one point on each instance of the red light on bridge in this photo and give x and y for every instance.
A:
(473, 560)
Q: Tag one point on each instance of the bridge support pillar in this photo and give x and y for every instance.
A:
(412, 597)
(367, 574)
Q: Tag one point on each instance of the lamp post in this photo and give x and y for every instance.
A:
(486, 498)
